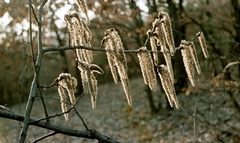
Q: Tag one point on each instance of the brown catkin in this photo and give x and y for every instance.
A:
(193, 53)
(68, 83)
(117, 59)
(93, 89)
(168, 86)
(159, 34)
(203, 44)
(168, 61)
(154, 49)
(188, 63)
(82, 5)
(111, 58)
(147, 68)
(127, 90)
(167, 29)
(63, 101)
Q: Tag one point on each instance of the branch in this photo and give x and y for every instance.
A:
(35, 81)
(90, 134)
(63, 48)
(45, 136)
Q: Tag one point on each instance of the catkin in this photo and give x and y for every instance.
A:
(188, 62)
(168, 61)
(159, 34)
(203, 44)
(80, 35)
(63, 102)
(66, 84)
(117, 59)
(167, 29)
(147, 68)
(82, 5)
(193, 53)
(89, 81)
(154, 49)
(168, 86)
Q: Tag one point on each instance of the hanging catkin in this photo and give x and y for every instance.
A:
(117, 60)
(63, 101)
(203, 44)
(66, 84)
(147, 68)
(89, 80)
(168, 86)
(167, 29)
(188, 62)
(193, 53)
(158, 34)
(154, 49)
(82, 5)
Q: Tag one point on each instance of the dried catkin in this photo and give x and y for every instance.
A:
(193, 53)
(80, 35)
(82, 5)
(89, 81)
(188, 62)
(154, 49)
(147, 68)
(108, 44)
(168, 61)
(159, 34)
(66, 84)
(63, 101)
(167, 29)
(70, 29)
(203, 44)
(168, 86)
(117, 59)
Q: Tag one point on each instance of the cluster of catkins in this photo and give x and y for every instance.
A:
(161, 36)
(79, 35)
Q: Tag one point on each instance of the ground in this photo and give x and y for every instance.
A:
(202, 117)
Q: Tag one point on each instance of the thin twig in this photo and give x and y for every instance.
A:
(85, 125)
(45, 136)
(62, 113)
(44, 105)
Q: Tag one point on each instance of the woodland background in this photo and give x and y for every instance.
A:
(218, 20)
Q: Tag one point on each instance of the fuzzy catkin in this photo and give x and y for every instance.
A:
(168, 86)
(203, 44)
(82, 5)
(154, 49)
(188, 63)
(193, 53)
(159, 34)
(111, 58)
(167, 29)
(63, 101)
(168, 61)
(89, 81)
(147, 68)
(117, 59)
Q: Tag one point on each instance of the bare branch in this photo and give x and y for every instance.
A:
(90, 134)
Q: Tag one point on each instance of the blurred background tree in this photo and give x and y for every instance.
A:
(219, 22)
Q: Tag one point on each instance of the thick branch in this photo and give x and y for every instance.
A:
(90, 134)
